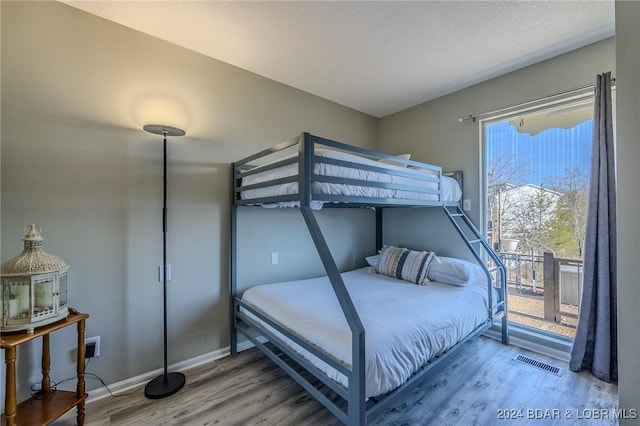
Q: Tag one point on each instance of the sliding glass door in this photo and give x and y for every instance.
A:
(536, 180)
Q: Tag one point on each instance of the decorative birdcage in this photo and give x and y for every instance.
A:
(34, 286)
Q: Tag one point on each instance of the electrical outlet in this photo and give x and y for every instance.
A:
(92, 347)
(466, 204)
(90, 350)
(274, 258)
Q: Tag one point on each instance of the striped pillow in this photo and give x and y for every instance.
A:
(405, 264)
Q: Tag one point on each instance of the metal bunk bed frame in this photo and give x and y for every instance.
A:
(332, 395)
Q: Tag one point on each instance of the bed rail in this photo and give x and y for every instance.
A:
(422, 184)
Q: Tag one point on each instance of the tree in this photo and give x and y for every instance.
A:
(504, 172)
(571, 216)
(561, 238)
(528, 219)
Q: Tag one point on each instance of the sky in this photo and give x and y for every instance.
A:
(548, 154)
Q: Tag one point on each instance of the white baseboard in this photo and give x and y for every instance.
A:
(132, 382)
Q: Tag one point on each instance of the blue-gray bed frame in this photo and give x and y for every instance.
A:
(349, 404)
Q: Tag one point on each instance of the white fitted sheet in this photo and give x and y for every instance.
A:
(405, 324)
(451, 191)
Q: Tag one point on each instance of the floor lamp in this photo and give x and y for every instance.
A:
(168, 383)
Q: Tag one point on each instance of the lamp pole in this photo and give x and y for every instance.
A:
(168, 383)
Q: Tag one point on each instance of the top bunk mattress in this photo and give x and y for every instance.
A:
(426, 190)
(405, 324)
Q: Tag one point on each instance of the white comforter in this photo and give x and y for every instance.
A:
(451, 191)
(405, 324)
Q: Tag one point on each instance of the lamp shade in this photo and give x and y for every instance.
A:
(34, 286)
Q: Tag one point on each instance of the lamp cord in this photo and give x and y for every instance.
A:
(36, 391)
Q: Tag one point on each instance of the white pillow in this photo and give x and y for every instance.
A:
(404, 156)
(373, 260)
(453, 271)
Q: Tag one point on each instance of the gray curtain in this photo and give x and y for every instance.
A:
(595, 347)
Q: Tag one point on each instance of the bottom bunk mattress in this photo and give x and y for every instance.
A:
(405, 324)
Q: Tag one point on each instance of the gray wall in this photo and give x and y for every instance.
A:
(628, 158)
(76, 91)
(350, 241)
(423, 229)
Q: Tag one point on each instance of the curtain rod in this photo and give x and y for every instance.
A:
(530, 102)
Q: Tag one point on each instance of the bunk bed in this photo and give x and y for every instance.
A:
(315, 329)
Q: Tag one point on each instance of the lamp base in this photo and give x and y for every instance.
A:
(161, 388)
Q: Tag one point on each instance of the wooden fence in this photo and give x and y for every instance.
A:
(557, 280)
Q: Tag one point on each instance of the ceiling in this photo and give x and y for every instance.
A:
(378, 57)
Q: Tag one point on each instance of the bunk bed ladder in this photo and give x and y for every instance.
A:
(482, 251)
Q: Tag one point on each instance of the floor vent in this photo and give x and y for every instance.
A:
(539, 364)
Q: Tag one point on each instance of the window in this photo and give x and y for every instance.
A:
(536, 180)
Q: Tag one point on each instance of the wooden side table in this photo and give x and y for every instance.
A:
(49, 405)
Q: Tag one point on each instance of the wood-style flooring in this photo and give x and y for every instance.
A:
(481, 386)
